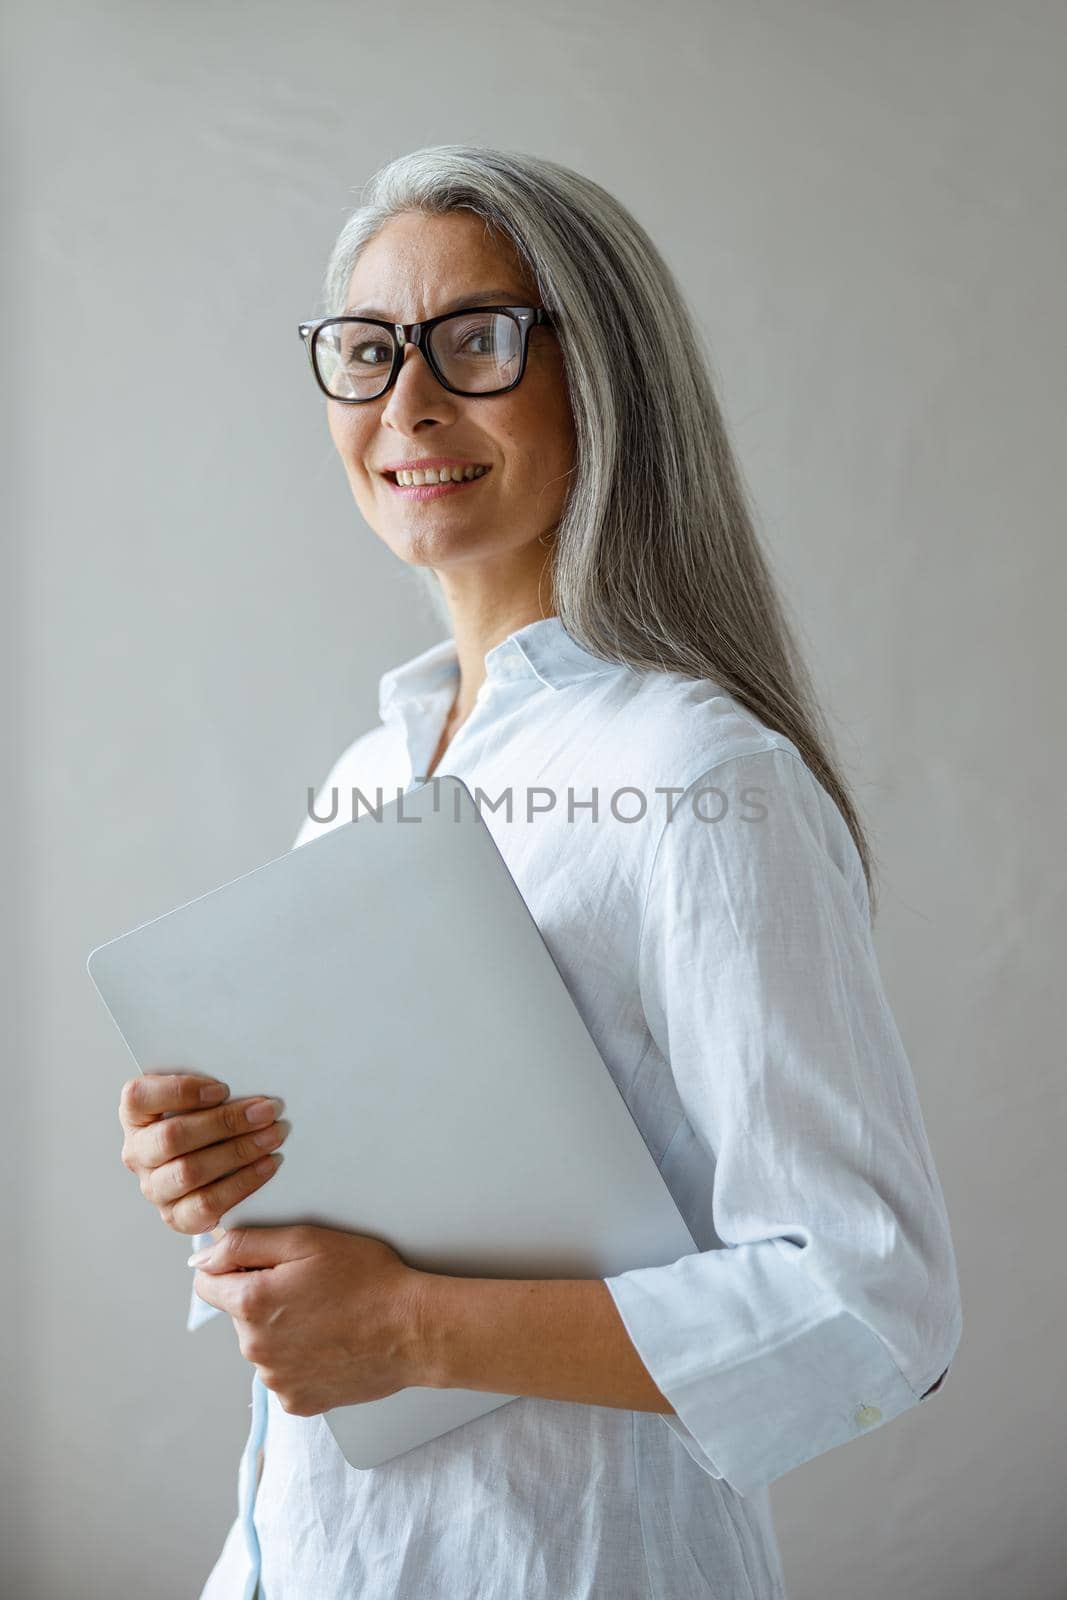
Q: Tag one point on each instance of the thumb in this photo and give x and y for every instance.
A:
(253, 1247)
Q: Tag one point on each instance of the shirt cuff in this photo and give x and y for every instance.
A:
(753, 1414)
(199, 1310)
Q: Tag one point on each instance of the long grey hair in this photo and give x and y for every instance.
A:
(656, 562)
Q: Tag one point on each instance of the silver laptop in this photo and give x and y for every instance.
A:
(388, 981)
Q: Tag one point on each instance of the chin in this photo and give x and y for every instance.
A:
(433, 547)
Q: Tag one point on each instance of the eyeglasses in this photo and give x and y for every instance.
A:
(477, 351)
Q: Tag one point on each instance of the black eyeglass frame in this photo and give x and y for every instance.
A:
(418, 334)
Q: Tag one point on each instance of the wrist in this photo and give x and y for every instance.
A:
(423, 1330)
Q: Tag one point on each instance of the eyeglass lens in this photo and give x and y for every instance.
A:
(478, 352)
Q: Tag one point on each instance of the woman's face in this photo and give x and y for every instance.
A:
(416, 267)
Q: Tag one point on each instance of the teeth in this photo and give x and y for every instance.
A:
(439, 475)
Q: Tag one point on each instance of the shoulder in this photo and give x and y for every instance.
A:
(685, 728)
(372, 761)
(745, 803)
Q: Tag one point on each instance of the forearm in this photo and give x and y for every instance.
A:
(552, 1338)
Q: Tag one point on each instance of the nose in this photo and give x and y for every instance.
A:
(416, 394)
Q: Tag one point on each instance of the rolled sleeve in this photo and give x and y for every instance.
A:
(828, 1300)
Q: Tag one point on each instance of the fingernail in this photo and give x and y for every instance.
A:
(263, 1111)
(198, 1257)
(212, 1093)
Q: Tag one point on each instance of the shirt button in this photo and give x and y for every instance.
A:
(868, 1414)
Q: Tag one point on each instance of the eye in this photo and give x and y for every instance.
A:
(472, 339)
(369, 353)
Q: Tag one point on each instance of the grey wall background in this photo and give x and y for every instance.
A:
(864, 204)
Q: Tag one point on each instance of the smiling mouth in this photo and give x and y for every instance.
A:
(431, 477)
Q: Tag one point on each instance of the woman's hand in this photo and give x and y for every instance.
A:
(194, 1155)
(329, 1318)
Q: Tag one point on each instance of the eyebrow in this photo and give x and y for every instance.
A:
(503, 297)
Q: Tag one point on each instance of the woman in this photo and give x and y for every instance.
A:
(613, 627)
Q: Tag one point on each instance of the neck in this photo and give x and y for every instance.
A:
(482, 617)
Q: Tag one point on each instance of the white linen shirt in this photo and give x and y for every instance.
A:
(716, 940)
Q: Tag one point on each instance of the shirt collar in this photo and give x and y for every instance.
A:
(541, 650)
